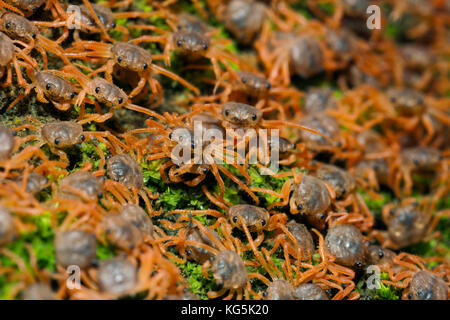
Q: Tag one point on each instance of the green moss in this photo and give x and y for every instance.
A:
(198, 284)
(41, 241)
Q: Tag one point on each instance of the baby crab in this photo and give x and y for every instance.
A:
(310, 291)
(288, 53)
(416, 160)
(237, 115)
(196, 253)
(137, 216)
(75, 247)
(126, 275)
(413, 107)
(344, 187)
(226, 264)
(80, 185)
(256, 218)
(229, 270)
(193, 46)
(7, 143)
(117, 276)
(10, 54)
(347, 245)
(318, 100)
(34, 183)
(415, 65)
(7, 227)
(126, 172)
(57, 135)
(104, 92)
(310, 197)
(306, 57)
(251, 218)
(327, 125)
(425, 285)
(409, 223)
(190, 241)
(243, 18)
(38, 291)
(372, 172)
(254, 88)
(29, 7)
(295, 239)
(124, 169)
(21, 29)
(129, 56)
(50, 84)
(121, 232)
(280, 289)
(376, 255)
(419, 282)
(91, 18)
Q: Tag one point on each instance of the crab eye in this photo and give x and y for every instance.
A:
(33, 35)
(100, 195)
(82, 137)
(265, 294)
(56, 141)
(188, 252)
(97, 90)
(416, 162)
(227, 112)
(358, 264)
(419, 101)
(205, 170)
(145, 66)
(380, 254)
(268, 86)
(8, 25)
(113, 25)
(263, 222)
(343, 191)
(244, 80)
(254, 117)
(392, 212)
(48, 86)
(119, 59)
(410, 296)
(205, 47)
(300, 207)
(120, 100)
(235, 219)
(72, 95)
(179, 43)
(393, 99)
